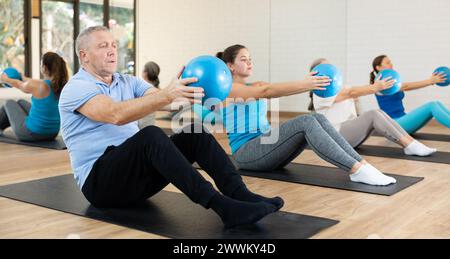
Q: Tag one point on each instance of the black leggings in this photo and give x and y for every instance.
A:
(147, 162)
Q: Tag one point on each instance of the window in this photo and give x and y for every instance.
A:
(12, 34)
(91, 13)
(63, 20)
(122, 24)
(58, 29)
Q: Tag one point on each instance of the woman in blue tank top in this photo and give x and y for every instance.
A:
(38, 120)
(257, 146)
(393, 104)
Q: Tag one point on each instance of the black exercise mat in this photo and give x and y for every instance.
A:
(330, 177)
(166, 214)
(397, 153)
(426, 136)
(57, 144)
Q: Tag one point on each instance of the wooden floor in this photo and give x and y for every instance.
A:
(421, 211)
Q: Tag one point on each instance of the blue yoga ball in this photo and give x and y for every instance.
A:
(334, 74)
(394, 75)
(13, 74)
(446, 72)
(213, 76)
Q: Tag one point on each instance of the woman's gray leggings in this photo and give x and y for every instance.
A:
(14, 114)
(314, 130)
(358, 130)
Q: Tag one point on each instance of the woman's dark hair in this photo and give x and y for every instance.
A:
(230, 54)
(152, 70)
(311, 103)
(57, 70)
(313, 65)
(376, 62)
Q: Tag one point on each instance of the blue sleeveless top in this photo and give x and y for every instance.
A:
(245, 121)
(392, 104)
(44, 116)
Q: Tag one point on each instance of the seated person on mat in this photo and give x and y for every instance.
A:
(340, 110)
(393, 104)
(40, 120)
(246, 128)
(151, 75)
(117, 165)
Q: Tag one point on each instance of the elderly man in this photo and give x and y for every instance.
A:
(116, 165)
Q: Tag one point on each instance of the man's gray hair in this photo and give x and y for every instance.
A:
(83, 38)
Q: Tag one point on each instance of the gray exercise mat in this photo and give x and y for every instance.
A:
(331, 178)
(57, 144)
(426, 136)
(166, 214)
(398, 153)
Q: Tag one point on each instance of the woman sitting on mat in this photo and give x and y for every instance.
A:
(340, 110)
(150, 74)
(393, 104)
(38, 121)
(247, 124)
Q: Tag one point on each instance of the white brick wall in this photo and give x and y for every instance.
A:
(173, 32)
(285, 36)
(301, 32)
(414, 33)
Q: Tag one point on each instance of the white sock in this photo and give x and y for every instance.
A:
(370, 175)
(391, 179)
(418, 149)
